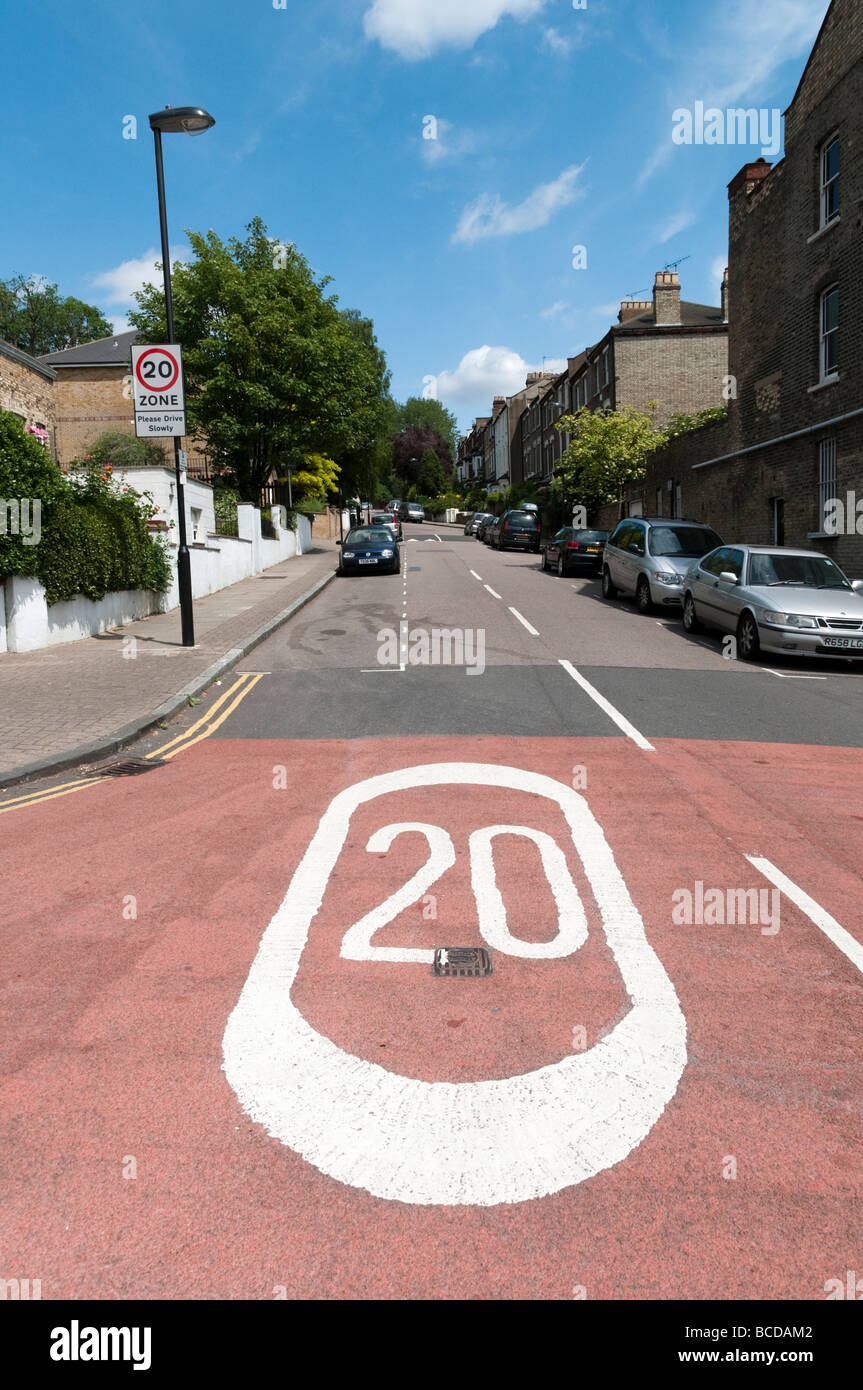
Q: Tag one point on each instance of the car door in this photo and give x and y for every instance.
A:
(727, 596)
(632, 556)
(557, 545)
(615, 551)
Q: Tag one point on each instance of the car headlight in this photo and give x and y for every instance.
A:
(767, 615)
(387, 554)
(662, 577)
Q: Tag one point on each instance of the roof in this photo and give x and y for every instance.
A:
(104, 352)
(691, 316)
(34, 364)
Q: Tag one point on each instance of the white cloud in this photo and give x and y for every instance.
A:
(490, 216)
(677, 222)
(448, 144)
(117, 285)
(554, 309)
(416, 29)
(487, 372)
(556, 42)
(120, 323)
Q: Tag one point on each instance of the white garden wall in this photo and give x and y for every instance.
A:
(27, 623)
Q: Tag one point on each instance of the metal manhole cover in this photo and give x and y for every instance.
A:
(462, 962)
(130, 767)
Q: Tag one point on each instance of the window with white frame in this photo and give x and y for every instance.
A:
(826, 478)
(829, 348)
(830, 180)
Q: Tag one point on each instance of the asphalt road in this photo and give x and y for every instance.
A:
(230, 1071)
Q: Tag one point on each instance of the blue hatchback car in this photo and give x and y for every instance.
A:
(366, 549)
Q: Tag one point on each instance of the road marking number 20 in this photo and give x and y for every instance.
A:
(481, 1143)
(572, 923)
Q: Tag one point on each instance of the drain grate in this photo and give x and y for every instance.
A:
(130, 767)
(461, 962)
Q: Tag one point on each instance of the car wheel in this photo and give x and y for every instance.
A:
(690, 617)
(608, 589)
(561, 568)
(642, 596)
(748, 641)
(544, 563)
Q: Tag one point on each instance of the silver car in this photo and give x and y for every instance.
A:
(788, 602)
(649, 556)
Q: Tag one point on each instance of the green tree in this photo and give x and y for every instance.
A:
(276, 376)
(608, 451)
(125, 451)
(35, 318)
(431, 479)
(430, 415)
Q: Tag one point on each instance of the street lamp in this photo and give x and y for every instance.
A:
(188, 120)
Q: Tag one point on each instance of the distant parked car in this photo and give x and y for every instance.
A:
(411, 511)
(485, 521)
(474, 521)
(574, 550)
(369, 548)
(388, 519)
(519, 529)
(649, 557)
(789, 602)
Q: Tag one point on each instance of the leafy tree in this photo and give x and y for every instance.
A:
(34, 317)
(408, 448)
(431, 479)
(430, 415)
(277, 377)
(125, 451)
(608, 451)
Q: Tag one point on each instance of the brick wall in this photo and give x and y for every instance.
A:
(27, 393)
(682, 371)
(89, 401)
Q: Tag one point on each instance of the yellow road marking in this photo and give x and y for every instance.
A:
(221, 719)
(36, 798)
(181, 738)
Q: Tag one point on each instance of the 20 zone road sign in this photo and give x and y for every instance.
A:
(157, 380)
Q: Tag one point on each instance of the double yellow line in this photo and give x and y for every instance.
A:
(216, 715)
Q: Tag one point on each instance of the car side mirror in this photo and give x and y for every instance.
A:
(728, 577)
(857, 586)
(338, 542)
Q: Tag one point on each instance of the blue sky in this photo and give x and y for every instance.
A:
(554, 129)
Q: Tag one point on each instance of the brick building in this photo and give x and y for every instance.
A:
(794, 436)
(27, 390)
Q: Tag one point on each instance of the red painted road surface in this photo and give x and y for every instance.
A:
(119, 999)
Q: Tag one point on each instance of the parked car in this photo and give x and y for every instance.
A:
(788, 602)
(411, 511)
(489, 528)
(472, 522)
(486, 518)
(369, 548)
(388, 519)
(518, 528)
(649, 557)
(574, 550)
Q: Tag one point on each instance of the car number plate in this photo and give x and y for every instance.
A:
(368, 562)
(593, 550)
(843, 642)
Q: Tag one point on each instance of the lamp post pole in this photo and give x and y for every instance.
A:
(192, 120)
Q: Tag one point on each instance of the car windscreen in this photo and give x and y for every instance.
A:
(590, 536)
(521, 517)
(684, 542)
(369, 535)
(810, 571)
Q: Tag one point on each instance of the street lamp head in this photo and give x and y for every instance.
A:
(188, 120)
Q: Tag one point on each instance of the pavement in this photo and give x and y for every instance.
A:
(230, 1072)
(67, 704)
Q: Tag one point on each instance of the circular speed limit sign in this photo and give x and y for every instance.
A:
(157, 369)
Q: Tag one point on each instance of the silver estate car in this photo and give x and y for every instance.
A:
(648, 556)
(789, 602)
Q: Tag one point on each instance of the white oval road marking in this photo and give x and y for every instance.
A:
(443, 1143)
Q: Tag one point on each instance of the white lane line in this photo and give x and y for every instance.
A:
(532, 630)
(476, 576)
(613, 714)
(784, 676)
(848, 945)
(491, 591)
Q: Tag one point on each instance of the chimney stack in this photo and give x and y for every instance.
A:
(725, 296)
(633, 309)
(749, 178)
(666, 297)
